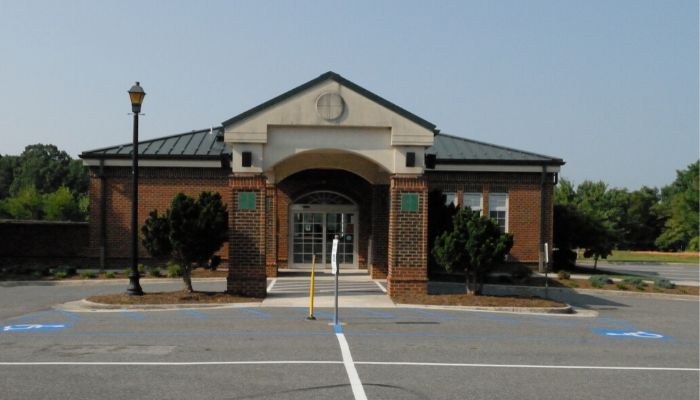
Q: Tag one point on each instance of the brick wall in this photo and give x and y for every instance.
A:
(380, 231)
(247, 275)
(270, 231)
(44, 242)
(343, 182)
(157, 187)
(524, 191)
(408, 238)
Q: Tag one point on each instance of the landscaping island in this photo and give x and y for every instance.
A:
(178, 297)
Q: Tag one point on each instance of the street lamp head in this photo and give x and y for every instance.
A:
(137, 94)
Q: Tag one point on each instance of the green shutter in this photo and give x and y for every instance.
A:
(409, 202)
(246, 201)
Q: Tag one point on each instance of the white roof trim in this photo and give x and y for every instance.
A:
(494, 168)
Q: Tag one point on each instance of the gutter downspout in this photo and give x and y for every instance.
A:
(542, 225)
(103, 214)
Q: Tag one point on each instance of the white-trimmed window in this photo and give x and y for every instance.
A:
(498, 210)
(450, 198)
(474, 201)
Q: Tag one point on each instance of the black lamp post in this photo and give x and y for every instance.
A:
(137, 94)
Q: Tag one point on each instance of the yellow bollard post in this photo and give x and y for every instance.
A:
(311, 308)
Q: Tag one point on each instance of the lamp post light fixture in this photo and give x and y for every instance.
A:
(136, 94)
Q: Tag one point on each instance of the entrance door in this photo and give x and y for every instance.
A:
(312, 230)
(343, 226)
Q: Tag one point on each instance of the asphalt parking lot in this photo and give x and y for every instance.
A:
(633, 348)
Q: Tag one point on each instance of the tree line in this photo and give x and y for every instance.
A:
(43, 183)
(598, 218)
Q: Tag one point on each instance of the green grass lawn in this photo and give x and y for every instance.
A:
(638, 256)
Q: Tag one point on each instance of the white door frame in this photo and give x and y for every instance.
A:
(324, 209)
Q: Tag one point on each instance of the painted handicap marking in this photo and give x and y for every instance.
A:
(631, 334)
(35, 327)
(49, 312)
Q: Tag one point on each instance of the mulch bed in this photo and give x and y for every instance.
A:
(475, 301)
(173, 298)
(197, 273)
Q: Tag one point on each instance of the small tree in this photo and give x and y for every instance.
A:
(574, 229)
(189, 233)
(474, 246)
(439, 221)
(61, 206)
(26, 205)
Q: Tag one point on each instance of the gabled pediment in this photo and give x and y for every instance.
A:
(333, 101)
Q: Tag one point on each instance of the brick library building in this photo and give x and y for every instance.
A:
(326, 158)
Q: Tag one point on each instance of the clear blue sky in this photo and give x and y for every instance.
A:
(609, 86)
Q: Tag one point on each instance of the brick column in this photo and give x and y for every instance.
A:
(271, 231)
(408, 235)
(380, 232)
(247, 273)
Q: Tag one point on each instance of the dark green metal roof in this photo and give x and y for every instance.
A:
(202, 144)
(337, 78)
(456, 150)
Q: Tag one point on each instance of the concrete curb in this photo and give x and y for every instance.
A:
(142, 281)
(519, 310)
(84, 305)
(587, 263)
(597, 292)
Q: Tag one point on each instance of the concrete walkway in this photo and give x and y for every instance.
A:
(356, 289)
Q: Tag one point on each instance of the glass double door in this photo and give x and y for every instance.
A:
(313, 231)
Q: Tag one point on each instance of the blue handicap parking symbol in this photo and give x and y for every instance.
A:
(34, 327)
(631, 334)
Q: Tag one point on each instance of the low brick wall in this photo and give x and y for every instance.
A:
(44, 242)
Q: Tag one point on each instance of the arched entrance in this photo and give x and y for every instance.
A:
(315, 219)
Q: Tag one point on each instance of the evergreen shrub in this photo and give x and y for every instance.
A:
(174, 271)
(600, 280)
(664, 284)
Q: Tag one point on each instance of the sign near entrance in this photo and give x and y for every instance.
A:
(334, 255)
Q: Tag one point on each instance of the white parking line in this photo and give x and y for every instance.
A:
(355, 382)
(380, 286)
(349, 363)
(176, 364)
(525, 366)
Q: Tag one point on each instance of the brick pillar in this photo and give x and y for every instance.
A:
(408, 235)
(380, 232)
(246, 271)
(271, 231)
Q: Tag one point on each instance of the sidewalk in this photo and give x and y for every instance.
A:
(356, 288)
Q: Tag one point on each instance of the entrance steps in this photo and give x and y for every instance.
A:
(292, 287)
